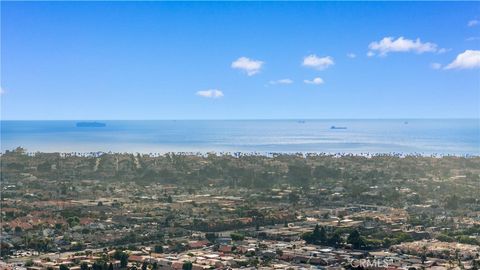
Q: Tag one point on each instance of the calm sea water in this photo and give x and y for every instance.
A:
(459, 137)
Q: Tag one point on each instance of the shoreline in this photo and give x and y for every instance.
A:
(242, 154)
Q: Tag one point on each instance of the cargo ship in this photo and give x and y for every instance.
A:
(334, 127)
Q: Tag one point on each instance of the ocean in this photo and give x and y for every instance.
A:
(426, 137)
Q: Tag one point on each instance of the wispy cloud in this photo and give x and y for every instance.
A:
(2, 91)
(211, 93)
(389, 44)
(316, 81)
(281, 81)
(435, 65)
(319, 63)
(473, 23)
(351, 55)
(469, 59)
(250, 66)
(472, 38)
(443, 50)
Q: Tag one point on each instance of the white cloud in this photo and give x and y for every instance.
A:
(2, 91)
(211, 93)
(316, 62)
(316, 81)
(351, 55)
(282, 81)
(401, 44)
(472, 23)
(436, 65)
(370, 54)
(467, 60)
(250, 66)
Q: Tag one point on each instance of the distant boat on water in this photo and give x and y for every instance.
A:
(334, 127)
(90, 124)
(301, 121)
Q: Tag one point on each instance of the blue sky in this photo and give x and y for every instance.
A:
(239, 60)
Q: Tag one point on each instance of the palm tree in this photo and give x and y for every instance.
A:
(424, 256)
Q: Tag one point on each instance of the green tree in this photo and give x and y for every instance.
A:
(187, 265)
(123, 260)
(158, 249)
(211, 236)
(475, 264)
(73, 221)
(299, 175)
(97, 266)
(237, 236)
(293, 198)
(323, 236)
(335, 240)
(308, 237)
(424, 254)
(84, 266)
(356, 240)
(319, 235)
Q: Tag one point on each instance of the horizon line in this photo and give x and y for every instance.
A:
(251, 119)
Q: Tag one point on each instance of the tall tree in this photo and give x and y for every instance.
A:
(355, 240)
(335, 240)
(84, 266)
(187, 265)
(123, 260)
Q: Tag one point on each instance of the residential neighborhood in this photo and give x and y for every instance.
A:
(177, 211)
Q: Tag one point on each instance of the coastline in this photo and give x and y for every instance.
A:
(242, 154)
